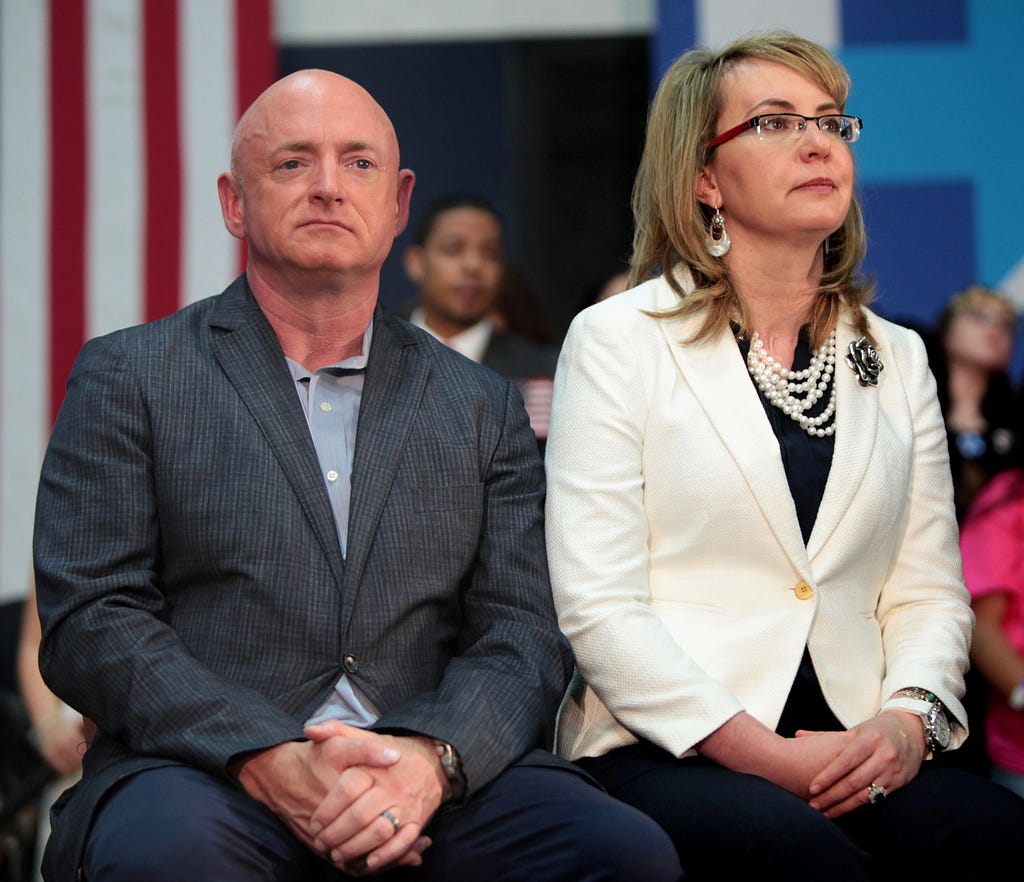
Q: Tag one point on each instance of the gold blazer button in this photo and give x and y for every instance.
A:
(803, 590)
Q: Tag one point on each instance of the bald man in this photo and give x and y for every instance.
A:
(290, 561)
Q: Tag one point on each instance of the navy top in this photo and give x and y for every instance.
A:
(807, 462)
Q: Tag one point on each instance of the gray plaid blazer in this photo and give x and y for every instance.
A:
(194, 600)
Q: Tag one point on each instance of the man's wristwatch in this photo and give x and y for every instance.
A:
(936, 722)
(453, 771)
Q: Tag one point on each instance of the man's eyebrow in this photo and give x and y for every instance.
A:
(294, 147)
(308, 147)
(359, 145)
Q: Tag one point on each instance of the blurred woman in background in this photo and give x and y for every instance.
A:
(975, 341)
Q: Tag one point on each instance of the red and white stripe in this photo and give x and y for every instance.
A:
(537, 395)
(116, 120)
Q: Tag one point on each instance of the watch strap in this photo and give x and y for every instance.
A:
(918, 693)
(914, 705)
(451, 764)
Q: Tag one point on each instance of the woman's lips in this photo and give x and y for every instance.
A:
(822, 184)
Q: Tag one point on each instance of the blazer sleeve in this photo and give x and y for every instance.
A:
(924, 609)
(106, 648)
(598, 536)
(499, 694)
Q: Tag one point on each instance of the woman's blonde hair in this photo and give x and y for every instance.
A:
(671, 223)
(972, 297)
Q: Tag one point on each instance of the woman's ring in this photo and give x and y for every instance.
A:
(876, 794)
(394, 821)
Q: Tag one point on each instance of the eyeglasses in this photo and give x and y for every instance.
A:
(992, 318)
(790, 126)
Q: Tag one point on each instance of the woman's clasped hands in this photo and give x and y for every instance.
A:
(877, 757)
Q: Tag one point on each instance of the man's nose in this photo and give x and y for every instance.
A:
(327, 183)
(473, 260)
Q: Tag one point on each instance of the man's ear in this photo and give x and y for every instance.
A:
(413, 260)
(231, 207)
(406, 180)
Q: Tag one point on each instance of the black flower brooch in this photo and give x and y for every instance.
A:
(864, 362)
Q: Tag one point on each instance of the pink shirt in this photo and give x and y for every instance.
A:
(992, 542)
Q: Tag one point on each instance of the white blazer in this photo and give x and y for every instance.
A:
(679, 572)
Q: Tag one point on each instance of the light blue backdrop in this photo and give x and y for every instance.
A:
(938, 84)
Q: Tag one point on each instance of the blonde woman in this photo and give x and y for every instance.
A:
(750, 523)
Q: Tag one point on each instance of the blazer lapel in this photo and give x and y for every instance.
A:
(248, 351)
(396, 375)
(716, 374)
(856, 427)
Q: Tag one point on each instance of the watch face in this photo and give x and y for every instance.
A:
(939, 727)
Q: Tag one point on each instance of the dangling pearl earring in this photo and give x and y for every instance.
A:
(717, 240)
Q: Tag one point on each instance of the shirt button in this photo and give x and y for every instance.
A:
(325, 407)
(332, 476)
(351, 665)
(803, 590)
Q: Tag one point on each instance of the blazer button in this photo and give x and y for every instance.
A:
(351, 665)
(803, 590)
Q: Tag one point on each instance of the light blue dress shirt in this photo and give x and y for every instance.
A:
(330, 398)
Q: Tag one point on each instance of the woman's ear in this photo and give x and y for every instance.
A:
(706, 189)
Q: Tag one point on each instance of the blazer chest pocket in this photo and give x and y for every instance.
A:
(436, 524)
(455, 497)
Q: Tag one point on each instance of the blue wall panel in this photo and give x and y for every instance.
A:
(917, 264)
(903, 21)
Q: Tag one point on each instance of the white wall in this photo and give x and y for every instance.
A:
(303, 22)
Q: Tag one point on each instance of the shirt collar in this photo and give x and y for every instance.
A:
(352, 364)
(471, 342)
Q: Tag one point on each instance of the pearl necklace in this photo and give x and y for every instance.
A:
(781, 386)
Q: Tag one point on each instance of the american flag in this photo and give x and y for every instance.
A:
(115, 120)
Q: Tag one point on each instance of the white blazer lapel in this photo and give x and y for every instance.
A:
(856, 427)
(716, 374)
